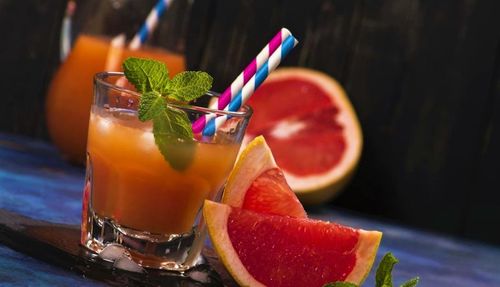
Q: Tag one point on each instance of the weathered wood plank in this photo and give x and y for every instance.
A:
(58, 244)
(420, 80)
(422, 76)
(483, 199)
(29, 53)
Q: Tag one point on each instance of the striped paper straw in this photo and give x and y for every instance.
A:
(65, 45)
(250, 87)
(242, 78)
(150, 24)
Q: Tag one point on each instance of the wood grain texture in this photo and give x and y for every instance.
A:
(58, 244)
(40, 206)
(424, 132)
(29, 54)
(423, 76)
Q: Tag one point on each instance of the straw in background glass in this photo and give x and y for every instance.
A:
(65, 44)
(118, 42)
(150, 24)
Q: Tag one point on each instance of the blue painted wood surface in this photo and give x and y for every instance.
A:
(36, 182)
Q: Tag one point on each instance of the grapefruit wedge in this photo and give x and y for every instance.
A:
(311, 128)
(257, 183)
(270, 250)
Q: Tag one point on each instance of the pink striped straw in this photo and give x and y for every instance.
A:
(227, 96)
(249, 88)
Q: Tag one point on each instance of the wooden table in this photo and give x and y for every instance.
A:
(40, 196)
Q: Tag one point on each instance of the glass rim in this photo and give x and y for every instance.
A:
(246, 113)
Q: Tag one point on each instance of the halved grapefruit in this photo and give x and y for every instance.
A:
(270, 250)
(257, 183)
(311, 128)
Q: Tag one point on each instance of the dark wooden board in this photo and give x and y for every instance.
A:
(40, 211)
(58, 244)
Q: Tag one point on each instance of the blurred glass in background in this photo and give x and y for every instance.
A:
(100, 33)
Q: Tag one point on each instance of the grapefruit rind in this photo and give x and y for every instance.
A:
(257, 182)
(216, 217)
(366, 252)
(315, 189)
(255, 159)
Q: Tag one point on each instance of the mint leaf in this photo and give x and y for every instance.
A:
(146, 75)
(189, 85)
(150, 105)
(383, 277)
(180, 156)
(170, 125)
(340, 284)
(174, 137)
(411, 283)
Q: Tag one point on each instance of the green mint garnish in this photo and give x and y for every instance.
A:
(146, 75)
(383, 277)
(188, 86)
(411, 283)
(170, 125)
(151, 105)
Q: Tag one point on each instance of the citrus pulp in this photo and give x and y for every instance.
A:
(311, 128)
(270, 250)
(258, 184)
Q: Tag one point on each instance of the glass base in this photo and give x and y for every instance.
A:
(174, 252)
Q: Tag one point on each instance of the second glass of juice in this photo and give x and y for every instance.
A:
(134, 196)
(100, 21)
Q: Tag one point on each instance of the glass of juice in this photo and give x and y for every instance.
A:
(95, 24)
(136, 198)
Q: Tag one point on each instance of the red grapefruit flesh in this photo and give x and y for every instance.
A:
(311, 128)
(257, 183)
(269, 250)
(269, 193)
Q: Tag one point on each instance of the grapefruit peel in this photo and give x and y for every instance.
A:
(315, 189)
(216, 217)
(255, 161)
(366, 250)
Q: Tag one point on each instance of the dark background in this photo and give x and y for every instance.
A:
(423, 76)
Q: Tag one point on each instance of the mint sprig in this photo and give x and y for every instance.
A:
(187, 86)
(146, 75)
(151, 105)
(383, 277)
(170, 125)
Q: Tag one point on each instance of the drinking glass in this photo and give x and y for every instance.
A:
(93, 26)
(136, 198)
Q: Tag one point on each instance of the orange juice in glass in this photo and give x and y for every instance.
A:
(73, 82)
(134, 197)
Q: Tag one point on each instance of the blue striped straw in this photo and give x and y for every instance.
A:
(254, 83)
(150, 24)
